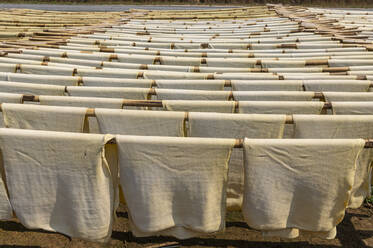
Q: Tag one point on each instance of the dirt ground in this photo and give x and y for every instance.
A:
(356, 231)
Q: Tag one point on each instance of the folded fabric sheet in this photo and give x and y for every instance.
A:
(297, 70)
(348, 62)
(109, 92)
(282, 64)
(79, 63)
(239, 126)
(59, 181)
(315, 76)
(109, 73)
(245, 76)
(231, 62)
(348, 96)
(222, 125)
(183, 184)
(173, 75)
(116, 82)
(337, 85)
(46, 70)
(156, 67)
(140, 122)
(133, 74)
(6, 211)
(352, 108)
(199, 106)
(7, 67)
(24, 62)
(42, 79)
(89, 102)
(210, 62)
(205, 69)
(11, 98)
(175, 94)
(49, 118)
(15, 61)
(135, 58)
(191, 84)
(342, 127)
(280, 107)
(289, 188)
(272, 96)
(267, 85)
(34, 89)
